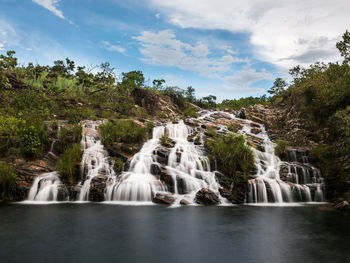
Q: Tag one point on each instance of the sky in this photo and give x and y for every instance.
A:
(227, 48)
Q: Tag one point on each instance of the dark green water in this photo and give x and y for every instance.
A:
(111, 233)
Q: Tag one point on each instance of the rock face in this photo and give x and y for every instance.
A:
(206, 197)
(97, 188)
(282, 122)
(154, 103)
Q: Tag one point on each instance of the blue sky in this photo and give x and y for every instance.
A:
(226, 48)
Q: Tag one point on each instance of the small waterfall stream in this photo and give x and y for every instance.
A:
(95, 159)
(45, 188)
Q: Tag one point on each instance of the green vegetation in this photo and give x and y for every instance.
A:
(281, 149)
(125, 131)
(163, 139)
(237, 104)
(232, 155)
(7, 180)
(69, 135)
(67, 166)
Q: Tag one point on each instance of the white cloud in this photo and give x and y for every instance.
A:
(284, 33)
(247, 76)
(111, 47)
(52, 6)
(8, 36)
(157, 15)
(163, 49)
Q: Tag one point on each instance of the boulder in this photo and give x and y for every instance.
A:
(163, 199)
(206, 197)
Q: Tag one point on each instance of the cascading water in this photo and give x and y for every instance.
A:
(95, 159)
(186, 164)
(299, 181)
(137, 184)
(45, 188)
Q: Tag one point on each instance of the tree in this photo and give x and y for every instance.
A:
(210, 101)
(344, 47)
(278, 87)
(158, 84)
(133, 78)
(9, 61)
(190, 94)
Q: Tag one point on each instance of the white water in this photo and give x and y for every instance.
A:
(95, 159)
(137, 184)
(186, 164)
(267, 185)
(45, 188)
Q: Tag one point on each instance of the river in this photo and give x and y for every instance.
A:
(90, 232)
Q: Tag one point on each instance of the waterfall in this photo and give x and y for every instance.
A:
(137, 184)
(188, 164)
(188, 167)
(301, 181)
(95, 159)
(45, 188)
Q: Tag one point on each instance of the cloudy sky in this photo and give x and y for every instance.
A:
(229, 48)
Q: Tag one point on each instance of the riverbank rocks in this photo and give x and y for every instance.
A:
(341, 205)
(160, 198)
(206, 197)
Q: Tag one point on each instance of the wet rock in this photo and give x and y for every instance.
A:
(62, 193)
(97, 188)
(184, 202)
(163, 199)
(206, 197)
(223, 180)
(162, 155)
(341, 205)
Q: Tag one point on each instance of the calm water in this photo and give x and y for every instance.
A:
(111, 233)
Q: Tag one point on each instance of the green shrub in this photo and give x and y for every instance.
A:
(32, 142)
(232, 154)
(122, 131)
(162, 115)
(7, 180)
(69, 135)
(281, 149)
(190, 112)
(4, 82)
(67, 166)
(118, 165)
(140, 112)
(163, 139)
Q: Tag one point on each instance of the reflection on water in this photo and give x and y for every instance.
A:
(100, 233)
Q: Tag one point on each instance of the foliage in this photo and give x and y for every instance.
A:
(4, 82)
(122, 131)
(69, 135)
(7, 180)
(344, 47)
(237, 104)
(67, 166)
(163, 139)
(118, 165)
(278, 87)
(190, 112)
(231, 153)
(281, 149)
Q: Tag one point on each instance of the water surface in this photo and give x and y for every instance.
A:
(112, 233)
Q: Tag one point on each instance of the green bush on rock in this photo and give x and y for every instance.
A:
(125, 131)
(67, 166)
(232, 154)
